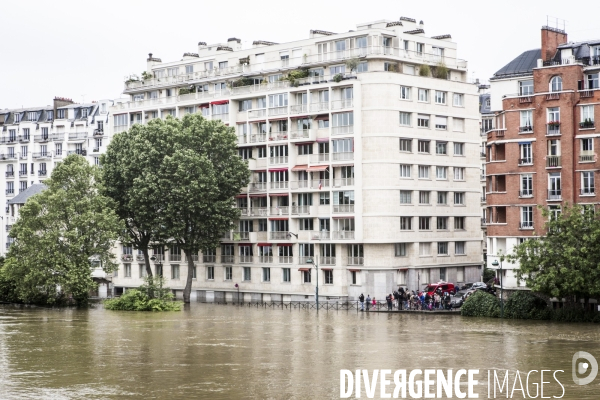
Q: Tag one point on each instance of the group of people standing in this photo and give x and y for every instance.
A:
(410, 300)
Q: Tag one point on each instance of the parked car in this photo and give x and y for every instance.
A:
(459, 298)
(444, 286)
(473, 285)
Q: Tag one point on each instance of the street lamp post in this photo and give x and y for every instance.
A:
(495, 264)
(311, 261)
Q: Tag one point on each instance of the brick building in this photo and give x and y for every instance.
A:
(541, 150)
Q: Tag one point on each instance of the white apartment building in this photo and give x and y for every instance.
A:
(33, 140)
(362, 164)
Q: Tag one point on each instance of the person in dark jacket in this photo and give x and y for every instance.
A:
(368, 301)
(388, 298)
(361, 299)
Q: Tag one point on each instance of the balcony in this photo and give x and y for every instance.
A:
(326, 260)
(9, 174)
(343, 208)
(278, 160)
(316, 107)
(345, 156)
(554, 194)
(78, 135)
(587, 191)
(209, 258)
(24, 139)
(553, 161)
(243, 211)
(175, 257)
(483, 222)
(317, 158)
(45, 154)
(525, 193)
(587, 156)
(258, 187)
(300, 134)
(525, 161)
(10, 139)
(341, 104)
(244, 259)
(299, 109)
(526, 129)
(320, 235)
(194, 258)
(278, 111)
(23, 173)
(42, 172)
(258, 138)
(553, 96)
(81, 152)
(342, 130)
(222, 117)
(241, 235)
(286, 259)
(553, 129)
(227, 259)
(8, 156)
(356, 260)
(588, 124)
(158, 258)
(56, 137)
(278, 135)
(282, 235)
(10, 192)
(339, 182)
(258, 212)
(300, 210)
(528, 225)
(280, 210)
(279, 185)
(8, 228)
(342, 235)
(41, 138)
(265, 259)
(98, 132)
(302, 260)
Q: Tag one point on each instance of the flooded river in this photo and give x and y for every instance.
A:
(230, 352)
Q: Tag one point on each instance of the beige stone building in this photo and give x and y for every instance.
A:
(364, 162)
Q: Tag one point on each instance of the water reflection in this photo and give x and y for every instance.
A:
(223, 352)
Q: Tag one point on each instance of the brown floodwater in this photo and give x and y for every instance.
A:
(229, 352)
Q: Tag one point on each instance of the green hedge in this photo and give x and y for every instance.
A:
(481, 304)
(525, 305)
(152, 296)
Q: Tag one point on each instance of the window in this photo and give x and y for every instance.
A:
(526, 185)
(526, 87)
(459, 124)
(424, 197)
(189, 69)
(440, 97)
(324, 198)
(405, 171)
(127, 270)
(305, 149)
(404, 118)
(286, 275)
(587, 182)
(441, 122)
(423, 146)
(194, 273)
(587, 117)
(247, 274)
(587, 145)
(526, 118)
(305, 224)
(556, 84)
(592, 79)
(228, 273)
(526, 153)
(343, 119)
(459, 198)
(262, 225)
(459, 149)
(442, 198)
(424, 223)
(459, 174)
(422, 121)
(405, 223)
(328, 276)
(50, 114)
(405, 197)
(362, 67)
(441, 148)
(442, 223)
(424, 249)
(554, 212)
(60, 114)
(554, 186)
(390, 67)
(459, 248)
(404, 92)
(353, 275)
(400, 249)
(441, 173)
(423, 171)
(84, 112)
(527, 217)
(174, 271)
(420, 48)
(406, 145)
(337, 69)
(143, 273)
(458, 100)
(424, 95)
(459, 223)
(306, 276)
(266, 274)
(442, 248)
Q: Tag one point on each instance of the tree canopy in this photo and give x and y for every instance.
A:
(57, 233)
(565, 261)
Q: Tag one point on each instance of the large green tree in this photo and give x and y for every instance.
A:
(200, 180)
(57, 233)
(564, 261)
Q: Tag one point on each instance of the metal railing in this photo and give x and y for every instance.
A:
(326, 260)
(344, 156)
(244, 259)
(175, 257)
(338, 182)
(283, 235)
(553, 161)
(257, 138)
(278, 160)
(300, 210)
(342, 130)
(589, 157)
(588, 190)
(227, 259)
(78, 135)
(525, 129)
(258, 186)
(554, 194)
(241, 235)
(320, 157)
(259, 212)
(320, 235)
(526, 225)
(280, 210)
(525, 161)
(209, 258)
(356, 260)
(342, 235)
(343, 208)
(553, 130)
(526, 193)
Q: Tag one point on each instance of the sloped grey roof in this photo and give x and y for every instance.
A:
(522, 65)
(22, 197)
(483, 108)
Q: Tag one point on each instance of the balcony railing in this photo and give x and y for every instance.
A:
(283, 235)
(194, 258)
(525, 193)
(259, 212)
(209, 258)
(41, 155)
(41, 138)
(257, 138)
(300, 210)
(586, 157)
(10, 191)
(342, 130)
(300, 134)
(278, 160)
(245, 259)
(222, 117)
(302, 260)
(278, 110)
(525, 129)
(356, 260)
(279, 185)
(61, 136)
(345, 156)
(9, 174)
(241, 235)
(78, 135)
(320, 235)
(326, 260)
(42, 172)
(316, 107)
(553, 161)
(589, 191)
(278, 135)
(265, 259)
(341, 104)
(175, 257)
(338, 182)
(554, 194)
(280, 210)
(343, 208)
(552, 130)
(227, 259)
(299, 108)
(258, 187)
(23, 173)
(586, 125)
(321, 157)
(286, 259)
(525, 161)
(8, 156)
(342, 235)
(24, 139)
(526, 225)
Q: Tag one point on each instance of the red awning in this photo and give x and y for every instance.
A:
(264, 244)
(205, 105)
(326, 269)
(244, 244)
(278, 219)
(279, 194)
(354, 270)
(322, 139)
(346, 164)
(343, 216)
(322, 117)
(259, 170)
(283, 244)
(219, 102)
(302, 143)
(402, 269)
(303, 269)
(259, 195)
(302, 167)
(300, 116)
(277, 169)
(318, 168)
(277, 119)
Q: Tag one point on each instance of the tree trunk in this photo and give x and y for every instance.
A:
(147, 262)
(188, 282)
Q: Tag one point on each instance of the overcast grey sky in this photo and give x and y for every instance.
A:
(82, 49)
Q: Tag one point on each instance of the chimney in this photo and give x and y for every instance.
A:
(61, 102)
(551, 39)
(151, 61)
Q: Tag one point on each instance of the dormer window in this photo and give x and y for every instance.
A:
(84, 112)
(17, 118)
(556, 84)
(60, 114)
(32, 116)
